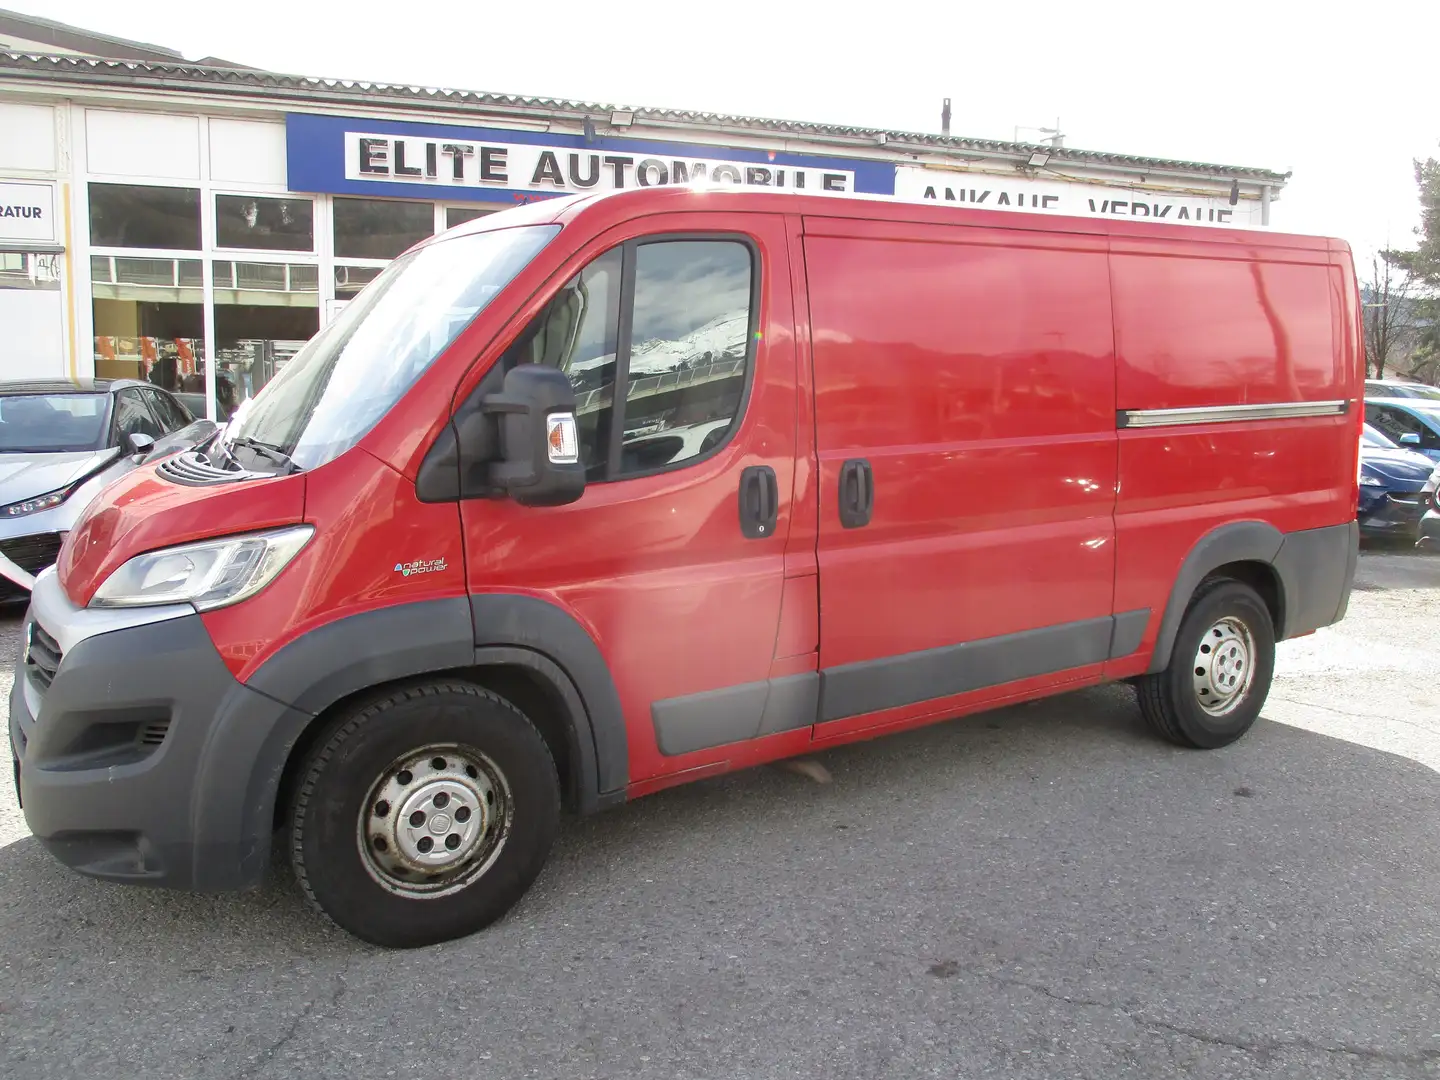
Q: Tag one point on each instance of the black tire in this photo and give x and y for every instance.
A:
(1171, 701)
(340, 777)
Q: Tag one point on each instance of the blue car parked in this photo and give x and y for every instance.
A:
(1393, 496)
(1413, 423)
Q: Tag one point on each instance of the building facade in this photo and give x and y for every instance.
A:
(194, 224)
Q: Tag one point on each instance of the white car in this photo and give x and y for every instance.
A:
(61, 442)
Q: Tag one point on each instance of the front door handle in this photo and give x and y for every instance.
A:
(857, 493)
(759, 502)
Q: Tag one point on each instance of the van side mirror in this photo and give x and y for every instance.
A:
(140, 444)
(539, 445)
(1410, 438)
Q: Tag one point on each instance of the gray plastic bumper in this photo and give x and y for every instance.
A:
(144, 760)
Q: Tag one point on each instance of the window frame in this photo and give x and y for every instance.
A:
(629, 250)
(332, 244)
(93, 181)
(116, 438)
(311, 254)
(156, 398)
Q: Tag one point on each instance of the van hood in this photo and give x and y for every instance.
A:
(25, 476)
(143, 511)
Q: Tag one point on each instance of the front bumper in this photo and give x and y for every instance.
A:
(1397, 514)
(30, 544)
(138, 756)
(1430, 531)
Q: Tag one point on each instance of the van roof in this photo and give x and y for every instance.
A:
(635, 202)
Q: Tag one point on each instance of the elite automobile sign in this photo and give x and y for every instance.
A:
(519, 167)
(403, 159)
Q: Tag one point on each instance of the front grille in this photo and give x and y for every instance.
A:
(1409, 498)
(44, 656)
(33, 553)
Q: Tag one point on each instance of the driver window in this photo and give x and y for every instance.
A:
(578, 333)
(131, 416)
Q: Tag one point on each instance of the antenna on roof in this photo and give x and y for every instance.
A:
(945, 118)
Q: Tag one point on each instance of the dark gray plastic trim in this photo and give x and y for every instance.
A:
(735, 713)
(354, 653)
(872, 685)
(526, 622)
(1128, 633)
(1240, 541)
(1317, 569)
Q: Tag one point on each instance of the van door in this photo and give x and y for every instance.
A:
(965, 427)
(676, 334)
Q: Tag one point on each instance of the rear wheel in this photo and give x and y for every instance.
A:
(1220, 669)
(425, 815)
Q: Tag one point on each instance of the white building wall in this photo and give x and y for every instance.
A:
(35, 271)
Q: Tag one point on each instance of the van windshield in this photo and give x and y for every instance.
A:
(346, 377)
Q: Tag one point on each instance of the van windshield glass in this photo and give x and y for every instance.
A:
(334, 390)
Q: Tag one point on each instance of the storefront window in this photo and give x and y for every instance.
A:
(30, 314)
(380, 228)
(125, 215)
(149, 319)
(250, 221)
(264, 313)
(29, 270)
(458, 215)
(349, 280)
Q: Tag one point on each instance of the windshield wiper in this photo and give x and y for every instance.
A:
(265, 450)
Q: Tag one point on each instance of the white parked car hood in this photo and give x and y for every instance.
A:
(26, 475)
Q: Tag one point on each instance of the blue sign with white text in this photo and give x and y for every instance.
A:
(356, 156)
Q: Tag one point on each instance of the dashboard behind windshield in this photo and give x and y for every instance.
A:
(350, 374)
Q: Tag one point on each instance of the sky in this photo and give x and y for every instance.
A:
(1343, 95)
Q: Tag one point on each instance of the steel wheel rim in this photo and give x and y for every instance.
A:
(434, 821)
(1224, 668)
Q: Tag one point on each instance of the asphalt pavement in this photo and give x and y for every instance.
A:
(1045, 891)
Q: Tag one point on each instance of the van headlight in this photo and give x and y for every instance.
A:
(1371, 481)
(211, 574)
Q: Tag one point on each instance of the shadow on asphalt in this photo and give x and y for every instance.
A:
(949, 883)
(997, 816)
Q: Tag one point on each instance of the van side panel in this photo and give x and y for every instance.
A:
(1194, 330)
(973, 370)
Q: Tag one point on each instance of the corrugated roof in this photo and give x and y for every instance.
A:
(64, 36)
(195, 77)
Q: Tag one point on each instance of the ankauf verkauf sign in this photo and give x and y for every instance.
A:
(1023, 194)
(344, 156)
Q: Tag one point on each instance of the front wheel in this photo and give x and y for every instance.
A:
(1220, 669)
(425, 815)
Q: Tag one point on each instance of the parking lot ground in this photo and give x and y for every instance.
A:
(1045, 891)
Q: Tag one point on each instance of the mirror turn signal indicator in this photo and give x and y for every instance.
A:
(563, 438)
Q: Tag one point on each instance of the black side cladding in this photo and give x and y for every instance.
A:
(524, 622)
(1315, 568)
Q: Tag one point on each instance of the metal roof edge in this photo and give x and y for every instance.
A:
(184, 76)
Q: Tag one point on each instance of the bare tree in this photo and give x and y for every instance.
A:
(1390, 297)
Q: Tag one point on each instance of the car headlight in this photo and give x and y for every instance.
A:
(1371, 481)
(37, 504)
(211, 574)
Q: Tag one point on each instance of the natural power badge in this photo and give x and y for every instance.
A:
(419, 566)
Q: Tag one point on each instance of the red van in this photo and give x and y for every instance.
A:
(605, 494)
